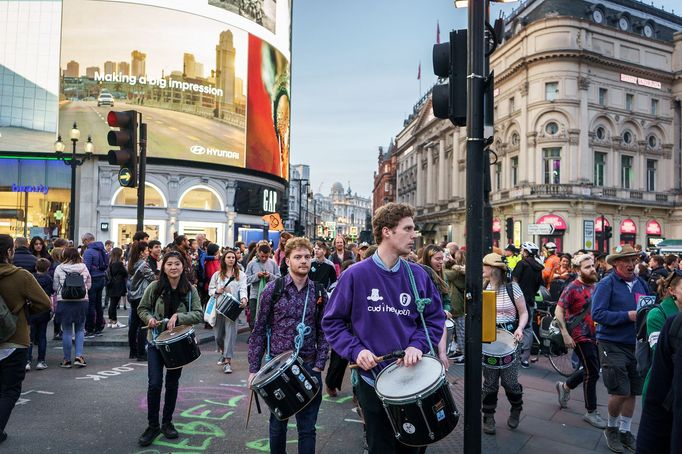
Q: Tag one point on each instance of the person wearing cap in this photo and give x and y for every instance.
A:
(362, 248)
(551, 262)
(528, 274)
(512, 316)
(512, 255)
(614, 307)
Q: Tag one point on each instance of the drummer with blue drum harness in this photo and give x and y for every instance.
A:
(392, 305)
(288, 336)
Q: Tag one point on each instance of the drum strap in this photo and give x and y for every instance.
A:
(301, 328)
(421, 303)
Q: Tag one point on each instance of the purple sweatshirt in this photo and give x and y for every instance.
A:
(381, 309)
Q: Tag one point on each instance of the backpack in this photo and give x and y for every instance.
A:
(643, 354)
(320, 291)
(74, 287)
(8, 321)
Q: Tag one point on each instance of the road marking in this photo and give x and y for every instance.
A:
(111, 373)
(353, 420)
(241, 385)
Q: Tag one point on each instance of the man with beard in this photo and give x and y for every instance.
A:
(615, 301)
(577, 328)
(299, 301)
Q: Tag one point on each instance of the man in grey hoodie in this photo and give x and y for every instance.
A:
(95, 258)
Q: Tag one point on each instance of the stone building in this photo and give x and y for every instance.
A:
(385, 178)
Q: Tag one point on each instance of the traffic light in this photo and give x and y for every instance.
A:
(509, 228)
(126, 139)
(608, 232)
(449, 100)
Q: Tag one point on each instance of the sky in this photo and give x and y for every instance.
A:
(354, 79)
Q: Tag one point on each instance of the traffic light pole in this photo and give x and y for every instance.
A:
(142, 169)
(475, 167)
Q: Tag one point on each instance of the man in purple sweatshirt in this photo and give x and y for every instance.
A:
(376, 298)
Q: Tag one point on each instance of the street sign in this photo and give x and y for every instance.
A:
(124, 176)
(540, 229)
(588, 234)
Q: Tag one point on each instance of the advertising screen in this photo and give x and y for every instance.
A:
(184, 66)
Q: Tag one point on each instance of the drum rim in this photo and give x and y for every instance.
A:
(174, 339)
(285, 365)
(413, 397)
(514, 345)
(180, 367)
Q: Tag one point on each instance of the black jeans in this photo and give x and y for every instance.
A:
(39, 324)
(95, 321)
(113, 305)
(12, 373)
(137, 338)
(380, 435)
(588, 375)
(155, 368)
(335, 372)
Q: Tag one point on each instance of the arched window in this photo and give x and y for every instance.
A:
(200, 198)
(128, 196)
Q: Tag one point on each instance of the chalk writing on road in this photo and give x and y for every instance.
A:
(114, 371)
(24, 401)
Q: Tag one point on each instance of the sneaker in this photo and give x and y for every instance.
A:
(628, 441)
(79, 361)
(28, 366)
(227, 368)
(221, 361)
(168, 431)
(148, 436)
(57, 337)
(564, 395)
(595, 419)
(489, 425)
(89, 335)
(613, 439)
(65, 364)
(525, 364)
(42, 365)
(459, 360)
(455, 354)
(514, 416)
(117, 325)
(98, 334)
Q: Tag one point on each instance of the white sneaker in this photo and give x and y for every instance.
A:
(41, 365)
(595, 419)
(117, 325)
(28, 366)
(227, 368)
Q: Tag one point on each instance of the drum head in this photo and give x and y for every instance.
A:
(449, 324)
(272, 367)
(176, 333)
(504, 344)
(396, 382)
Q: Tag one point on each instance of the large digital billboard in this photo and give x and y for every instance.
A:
(186, 67)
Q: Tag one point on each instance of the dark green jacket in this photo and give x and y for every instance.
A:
(148, 309)
(455, 279)
(655, 320)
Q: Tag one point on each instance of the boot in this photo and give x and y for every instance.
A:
(514, 416)
(489, 424)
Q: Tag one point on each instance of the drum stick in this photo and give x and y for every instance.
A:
(248, 412)
(394, 355)
(257, 403)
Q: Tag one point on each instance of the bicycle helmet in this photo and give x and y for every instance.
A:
(530, 247)
(550, 246)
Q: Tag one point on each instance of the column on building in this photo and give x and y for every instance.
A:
(421, 187)
(442, 175)
(526, 168)
(584, 154)
(429, 176)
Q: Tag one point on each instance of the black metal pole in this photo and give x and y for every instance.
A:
(602, 245)
(142, 170)
(72, 201)
(475, 165)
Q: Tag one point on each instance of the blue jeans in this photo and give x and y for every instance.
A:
(39, 334)
(155, 367)
(305, 423)
(68, 332)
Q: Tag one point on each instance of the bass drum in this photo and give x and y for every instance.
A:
(501, 353)
(285, 385)
(418, 401)
(178, 346)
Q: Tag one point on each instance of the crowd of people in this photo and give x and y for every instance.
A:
(326, 302)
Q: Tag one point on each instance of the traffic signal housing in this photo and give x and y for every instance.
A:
(126, 138)
(608, 232)
(449, 99)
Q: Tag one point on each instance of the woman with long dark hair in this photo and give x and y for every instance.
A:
(432, 261)
(38, 248)
(230, 279)
(169, 302)
(141, 275)
(116, 279)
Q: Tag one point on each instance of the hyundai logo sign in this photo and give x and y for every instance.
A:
(197, 149)
(201, 150)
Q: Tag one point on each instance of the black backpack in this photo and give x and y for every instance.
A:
(642, 349)
(74, 287)
(320, 292)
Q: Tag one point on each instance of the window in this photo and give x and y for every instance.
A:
(200, 198)
(498, 176)
(603, 96)
(629, 101)
(627, 137)
(515, 141)
(601, 133)
(599, 168)
(552, 128)
(387, 186)
(128, 196)
(552, 158)
(652, 141)
(511, 105)
(626, 173)
(651, 174)
(654, 106)
(551, 90)
(514, 171)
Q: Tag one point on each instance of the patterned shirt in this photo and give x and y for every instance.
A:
(283, 316)
(506, 308)
(572, 300)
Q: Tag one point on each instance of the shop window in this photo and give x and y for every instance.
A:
(200, 199)
(626, 172)
(552, 158)
(599, 168)
(551, 91)
(651, 174)
(128, 196)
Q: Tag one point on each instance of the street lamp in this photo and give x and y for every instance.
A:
(74, 162)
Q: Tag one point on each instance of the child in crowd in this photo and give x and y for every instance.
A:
(39, 322)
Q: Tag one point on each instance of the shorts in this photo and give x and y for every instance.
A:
(619, 369)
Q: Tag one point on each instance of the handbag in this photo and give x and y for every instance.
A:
(554, 332)
(210, 311)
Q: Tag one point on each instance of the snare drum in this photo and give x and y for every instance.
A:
(228, 306)
(450, 327)
(501, 353)
(418, 401)
(178, 346)
(285, 385)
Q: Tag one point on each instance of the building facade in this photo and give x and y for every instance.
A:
(385, 178)
(587, 124)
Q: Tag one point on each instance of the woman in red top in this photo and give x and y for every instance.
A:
(212, 263)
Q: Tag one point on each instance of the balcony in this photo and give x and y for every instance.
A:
(575, 191)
